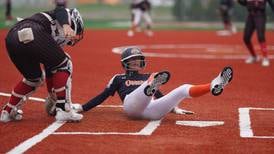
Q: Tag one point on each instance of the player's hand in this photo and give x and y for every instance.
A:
(77, 107)
(68, 31)
(178, 110)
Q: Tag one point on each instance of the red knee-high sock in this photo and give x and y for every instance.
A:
(264, 49)
(251, 49)
(49, 82)
(59, 80)
(22, 89)
(227, 26)
(199, 90)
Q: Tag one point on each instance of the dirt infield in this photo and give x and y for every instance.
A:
(246, 108)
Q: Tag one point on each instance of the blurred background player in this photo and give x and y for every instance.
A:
(38, 40)
(139, 92)
(60, 3)
(226, 7)
(140, 9)
(256, 20)
(8, 15)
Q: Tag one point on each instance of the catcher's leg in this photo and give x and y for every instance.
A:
(61, 93)
(12, 110)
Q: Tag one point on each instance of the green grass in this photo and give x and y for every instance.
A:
(95, 15)
(99, 16)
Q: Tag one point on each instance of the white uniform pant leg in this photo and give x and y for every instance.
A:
(137, 16)
(147, 18)
(160, 107)
(136, 102)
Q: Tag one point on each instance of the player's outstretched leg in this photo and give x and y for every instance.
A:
(155, 81)
(218, 84)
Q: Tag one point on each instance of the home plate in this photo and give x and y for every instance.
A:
(200, 123)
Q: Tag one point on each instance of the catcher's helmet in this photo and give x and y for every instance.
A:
(77, 25)
(132, 54)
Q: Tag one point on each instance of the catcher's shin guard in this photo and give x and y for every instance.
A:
(61, 81)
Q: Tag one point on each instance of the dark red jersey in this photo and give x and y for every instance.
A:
(257, 5)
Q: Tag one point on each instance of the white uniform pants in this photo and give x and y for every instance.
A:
(138, 105)
(139, 14)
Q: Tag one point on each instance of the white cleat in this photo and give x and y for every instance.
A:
(149, 33)
(218, 84)
(233, 29)
(155, 81)
(265, 62)
(130, 33)
(252, 59)
(69, 116)
(5, 116)
(77, 107)
(12, 116)
(138, 29)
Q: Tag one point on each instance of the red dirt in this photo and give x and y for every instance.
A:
(94, 66)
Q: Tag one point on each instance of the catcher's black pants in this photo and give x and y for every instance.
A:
(27, 57)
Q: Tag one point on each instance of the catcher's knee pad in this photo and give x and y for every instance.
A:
(66, 65)
(35, 82)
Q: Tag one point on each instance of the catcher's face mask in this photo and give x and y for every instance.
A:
(77, 25)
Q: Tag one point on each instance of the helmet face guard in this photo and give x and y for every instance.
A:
(134, 64)
(77, 25)
(132, 59)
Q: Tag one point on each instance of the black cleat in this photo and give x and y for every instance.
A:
(218, 84)
(155, 81)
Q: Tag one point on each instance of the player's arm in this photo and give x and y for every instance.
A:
(271, 3)
(99, 99)
(242, 2)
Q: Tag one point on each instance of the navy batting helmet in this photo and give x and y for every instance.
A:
(132, 54)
